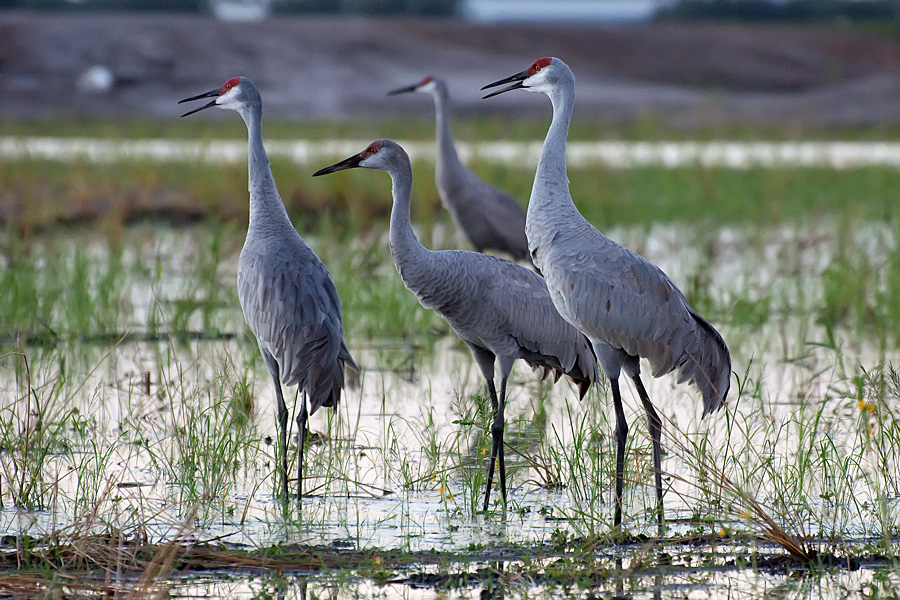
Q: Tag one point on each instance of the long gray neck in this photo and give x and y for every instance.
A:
(406, 250)
(551, 182)
(447, 158)
(266, 208)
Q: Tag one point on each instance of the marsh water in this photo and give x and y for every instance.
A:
(133, 398)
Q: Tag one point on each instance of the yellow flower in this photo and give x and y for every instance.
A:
(745, 515)
(483, 451)
(861, 404)
(450, 497)
(442, 490)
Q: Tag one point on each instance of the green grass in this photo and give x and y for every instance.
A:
(343, 207)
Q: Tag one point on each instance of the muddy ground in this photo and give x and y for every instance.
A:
(684, 74)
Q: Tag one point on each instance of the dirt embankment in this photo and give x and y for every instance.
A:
(685, 75)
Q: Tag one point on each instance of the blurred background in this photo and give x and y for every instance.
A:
(684, 64)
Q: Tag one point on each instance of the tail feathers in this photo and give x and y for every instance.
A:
(583, 386)
(349, 367)
(323, 380)
(583, 373)
(708, 366)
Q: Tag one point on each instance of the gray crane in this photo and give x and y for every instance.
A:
(286, 293)
(489, 218)
(501, 310)
(622, 302)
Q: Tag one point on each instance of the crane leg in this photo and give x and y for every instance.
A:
(655, 425)
(301, 450)
(621, 439)
(498, 425)
(282, 418)
(496, 442)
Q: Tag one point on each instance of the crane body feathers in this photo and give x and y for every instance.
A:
(499, 306)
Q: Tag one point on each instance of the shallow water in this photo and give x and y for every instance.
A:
(156, 432)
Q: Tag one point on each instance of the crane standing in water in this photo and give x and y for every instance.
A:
(286, 293)
(622, 302)
(501, 310)
(489, 218)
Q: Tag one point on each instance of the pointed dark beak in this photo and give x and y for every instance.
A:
(347, 163)
(209, 94)
(516, 80)
(403, 90)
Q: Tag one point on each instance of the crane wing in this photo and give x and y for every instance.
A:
(508, 309)
(292, 307)
(616, 295)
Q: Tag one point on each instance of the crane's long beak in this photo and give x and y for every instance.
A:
(347, 163)
(403, 90)
(209, 94)
(518, 78)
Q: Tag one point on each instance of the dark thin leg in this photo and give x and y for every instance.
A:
(497, 442)
(282, 418)
(621, 438)
(301, 450)
(655, 426)
(498, 425)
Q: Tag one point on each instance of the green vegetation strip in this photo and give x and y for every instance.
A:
(37, 195)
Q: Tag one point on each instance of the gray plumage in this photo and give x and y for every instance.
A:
(489, 218)
(286, 294)
(501, 310)
(625, 305)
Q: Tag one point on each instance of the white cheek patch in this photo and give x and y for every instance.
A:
(536, 82)
(428, 87)
(228, 97)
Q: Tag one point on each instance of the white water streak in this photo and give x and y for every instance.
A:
(611, 154)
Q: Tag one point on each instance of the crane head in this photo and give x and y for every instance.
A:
(227, 96)
(427, 86)
(531, 77)
(377, 155)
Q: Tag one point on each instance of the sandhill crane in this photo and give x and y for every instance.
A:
(489, 218)
(622, 302)
(501, 310)
(286, 293)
